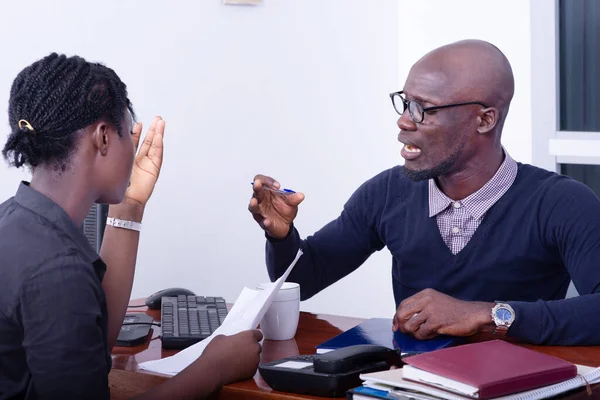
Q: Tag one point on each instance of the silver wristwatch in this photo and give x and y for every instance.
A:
(121, 223)
(503, 316)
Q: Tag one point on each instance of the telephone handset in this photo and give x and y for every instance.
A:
(330, 374)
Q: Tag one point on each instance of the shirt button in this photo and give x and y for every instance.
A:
(456, 229)
(457, 204)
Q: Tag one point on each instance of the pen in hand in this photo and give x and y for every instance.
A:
(280, 191)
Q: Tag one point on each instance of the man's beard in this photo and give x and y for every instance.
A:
(443, 168)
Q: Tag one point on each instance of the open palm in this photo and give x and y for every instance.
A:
(147, 163)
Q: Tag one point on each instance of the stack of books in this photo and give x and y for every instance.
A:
(487, 370)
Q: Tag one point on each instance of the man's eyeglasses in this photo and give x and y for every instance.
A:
(416, 110)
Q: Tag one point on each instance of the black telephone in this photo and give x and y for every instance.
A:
(330, 374)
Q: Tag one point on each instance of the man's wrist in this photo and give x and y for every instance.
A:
(503, 316)
(274, 239)
(126, 212)
(484, 317)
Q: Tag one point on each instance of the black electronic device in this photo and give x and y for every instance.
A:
(135, 329)
(94, 225)
(185, 320)
(330, 374)
(153, 301)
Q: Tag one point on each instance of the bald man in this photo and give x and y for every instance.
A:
(479, 242)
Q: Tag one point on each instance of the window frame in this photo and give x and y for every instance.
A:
(550, 145)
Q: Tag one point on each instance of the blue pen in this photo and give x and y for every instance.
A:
(280, 191)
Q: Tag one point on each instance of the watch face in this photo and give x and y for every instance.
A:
(504, 314)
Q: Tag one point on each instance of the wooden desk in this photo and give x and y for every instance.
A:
(126, 381)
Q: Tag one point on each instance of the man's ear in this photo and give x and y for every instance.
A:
(101, 137)
(488, 119)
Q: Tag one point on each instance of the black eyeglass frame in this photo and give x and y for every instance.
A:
(406, 105)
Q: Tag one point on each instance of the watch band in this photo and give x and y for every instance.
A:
(121, 223)
(500, 330)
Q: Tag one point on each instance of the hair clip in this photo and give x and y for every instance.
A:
(23, 124)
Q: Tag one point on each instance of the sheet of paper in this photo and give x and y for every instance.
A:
(246, 313)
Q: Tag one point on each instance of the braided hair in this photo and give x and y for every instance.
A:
(52, 100)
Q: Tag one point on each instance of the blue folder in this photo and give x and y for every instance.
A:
(379, 331)
(371, 393)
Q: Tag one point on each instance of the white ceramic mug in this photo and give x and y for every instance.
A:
(281, 319)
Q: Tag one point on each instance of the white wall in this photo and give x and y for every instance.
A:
(295, 89)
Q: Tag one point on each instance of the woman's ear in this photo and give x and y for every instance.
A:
(488, 119)
(101, 137)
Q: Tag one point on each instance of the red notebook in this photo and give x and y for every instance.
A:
(487, 369)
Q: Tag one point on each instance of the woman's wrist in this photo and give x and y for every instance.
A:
(127, 212)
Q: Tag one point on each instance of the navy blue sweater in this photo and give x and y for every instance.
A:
(542, 233)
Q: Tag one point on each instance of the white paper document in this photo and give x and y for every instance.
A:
(394, 382)
(246, 313)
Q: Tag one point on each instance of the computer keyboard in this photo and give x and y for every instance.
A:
(186, 320)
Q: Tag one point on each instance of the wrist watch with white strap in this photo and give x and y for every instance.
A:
(121, 223)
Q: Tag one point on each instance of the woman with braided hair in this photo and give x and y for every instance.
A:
(62, 304)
